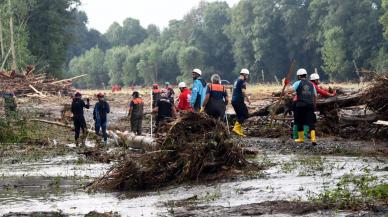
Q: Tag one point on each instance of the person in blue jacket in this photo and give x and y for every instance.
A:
(198, 91)
(101, 109)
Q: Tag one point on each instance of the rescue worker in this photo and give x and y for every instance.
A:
(239, 97)
(304, 105)
(184, 98)
(135, 112)
(101, 109)
(216, 98)
(198, 91)
(314, 78)
(77, 108)
(9, 104)
(164, 109)
(155, 94)
(170, 92)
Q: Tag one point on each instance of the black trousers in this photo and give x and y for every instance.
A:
(304, 115)
(241, 111)
(79, 123)
(136, 124)
(216, 109)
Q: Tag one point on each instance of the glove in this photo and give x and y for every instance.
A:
(286, 82)
(201, 110)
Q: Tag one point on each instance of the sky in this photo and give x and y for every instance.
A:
(102, 13)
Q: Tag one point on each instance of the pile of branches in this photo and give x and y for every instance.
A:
(195, 147)
(28, 84)
(377, 96)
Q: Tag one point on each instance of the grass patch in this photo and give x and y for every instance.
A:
(354, 192)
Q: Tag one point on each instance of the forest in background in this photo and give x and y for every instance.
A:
(261, 35)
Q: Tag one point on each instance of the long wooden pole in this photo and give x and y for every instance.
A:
(288, 77)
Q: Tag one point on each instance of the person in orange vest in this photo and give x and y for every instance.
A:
(184, 98)
(156, 92)
(135, 112)
(216, 98)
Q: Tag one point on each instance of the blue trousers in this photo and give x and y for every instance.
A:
(103, 125)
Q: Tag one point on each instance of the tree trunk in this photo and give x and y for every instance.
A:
(14, 66)
(1, 39)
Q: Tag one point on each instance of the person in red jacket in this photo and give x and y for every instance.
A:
(184, 98)
(314, 78)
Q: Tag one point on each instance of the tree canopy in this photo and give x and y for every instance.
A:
(261, 35)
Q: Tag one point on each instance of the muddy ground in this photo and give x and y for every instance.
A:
(46, 176)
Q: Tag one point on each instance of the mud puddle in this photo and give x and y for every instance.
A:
(55, 185)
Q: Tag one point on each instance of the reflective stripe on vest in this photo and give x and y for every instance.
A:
(217, 87)
(137, 101)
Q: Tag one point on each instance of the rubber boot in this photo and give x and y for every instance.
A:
(306, 130)
(76, 142)
(300, 137)
(313, 138)
(295, 132)
(237, 129)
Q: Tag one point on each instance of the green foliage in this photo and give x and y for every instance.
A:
(188, 59)
(353, 191)
(114, 61)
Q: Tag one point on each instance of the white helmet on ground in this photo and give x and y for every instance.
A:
(244, 71)
(301, 72)
(198, 71)
(182, 85)
(314, 77)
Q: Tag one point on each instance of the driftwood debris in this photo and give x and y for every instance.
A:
(23, 85)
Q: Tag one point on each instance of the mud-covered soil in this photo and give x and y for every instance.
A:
(326, 146)
(271, 208)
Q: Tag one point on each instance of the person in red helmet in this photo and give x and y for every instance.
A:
(77, 108)
(100, 116)
(155, 94)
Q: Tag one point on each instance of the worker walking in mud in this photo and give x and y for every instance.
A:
(216, 98)
(100, 116)
(164, 110)
(155, 94)
(184, 98)
(304, 105)
(198, 91)
(135, 113)
(314, 78)
(239, 97)
(77, 108)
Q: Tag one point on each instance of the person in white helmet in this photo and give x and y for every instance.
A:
(184, 98)
(314, 78)
(304, 105)
(239, 97)
(198, 91)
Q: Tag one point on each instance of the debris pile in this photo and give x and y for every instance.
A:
(195, 147)
(29, 84)
(350, 114)
(377, 96)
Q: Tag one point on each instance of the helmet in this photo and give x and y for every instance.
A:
(135, 94)
(314, 77)
(167, 83)
(100, 95)
(78, 94)
(155, 86)
(198, 71)
(182, 85)
(301, 72)
(244, 71)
